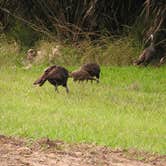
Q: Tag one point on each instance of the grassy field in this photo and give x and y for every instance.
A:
(126, 109)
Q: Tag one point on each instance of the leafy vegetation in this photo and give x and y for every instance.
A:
(106, 51)
(76, 20)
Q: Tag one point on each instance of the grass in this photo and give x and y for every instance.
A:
(126, 109)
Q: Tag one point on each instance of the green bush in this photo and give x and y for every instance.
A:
(23, 34)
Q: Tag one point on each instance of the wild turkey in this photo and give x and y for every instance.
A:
(81, 75)
(148, 54)
(31, 54)
(56, 75)
(92, 68)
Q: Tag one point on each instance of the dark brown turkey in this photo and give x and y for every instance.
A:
(92, 68)
(56, 75)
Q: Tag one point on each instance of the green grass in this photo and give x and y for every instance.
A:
(126, 109)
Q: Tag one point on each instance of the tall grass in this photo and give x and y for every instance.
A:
(9, 52)
(107, 51)
(126, 109)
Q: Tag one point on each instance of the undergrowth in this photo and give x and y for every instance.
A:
(106, 51)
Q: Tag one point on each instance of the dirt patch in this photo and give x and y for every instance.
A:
(45, 152)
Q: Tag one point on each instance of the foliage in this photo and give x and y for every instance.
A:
(23, 35)
(152, 20)
(73, 19)
(105, 51)
(9, 51)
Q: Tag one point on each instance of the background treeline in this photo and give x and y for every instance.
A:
(72, 19)
(76, 20)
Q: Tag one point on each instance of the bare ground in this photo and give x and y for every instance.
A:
(45, 152)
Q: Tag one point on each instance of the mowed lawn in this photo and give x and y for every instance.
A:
(126, 109)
